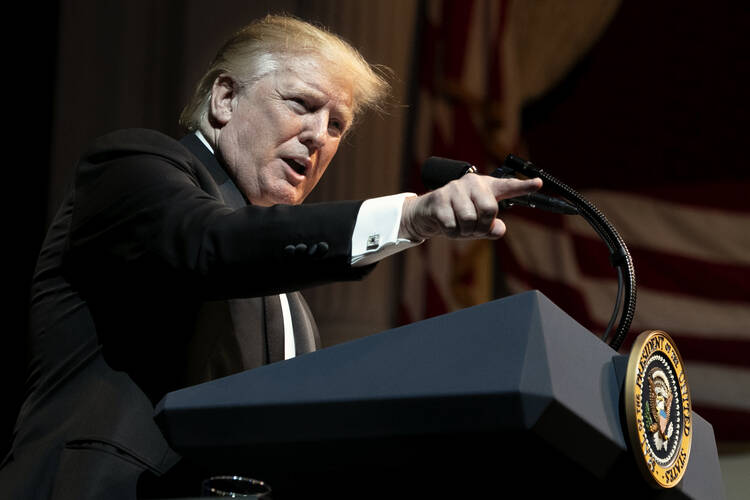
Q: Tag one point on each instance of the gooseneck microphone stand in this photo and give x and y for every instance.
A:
(619, 256)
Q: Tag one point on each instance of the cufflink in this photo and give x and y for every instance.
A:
(373, 241)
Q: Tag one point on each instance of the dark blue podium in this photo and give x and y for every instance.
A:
(512, 393)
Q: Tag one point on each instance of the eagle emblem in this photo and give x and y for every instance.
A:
(660, 404)
(657, 408)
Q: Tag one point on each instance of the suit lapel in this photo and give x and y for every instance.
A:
(232, 195)
(231, 335)
(306, 335)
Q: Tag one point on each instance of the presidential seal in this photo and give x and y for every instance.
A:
(658, 409)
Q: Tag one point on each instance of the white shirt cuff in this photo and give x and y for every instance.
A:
(375, 235)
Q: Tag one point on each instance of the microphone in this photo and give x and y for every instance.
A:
(437, 172)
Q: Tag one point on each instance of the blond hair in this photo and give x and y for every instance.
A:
(263, 45)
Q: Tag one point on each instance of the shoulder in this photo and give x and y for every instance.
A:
(134, 141)
(139, 161)
(140, 152)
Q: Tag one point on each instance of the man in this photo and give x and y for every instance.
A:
(163, 265)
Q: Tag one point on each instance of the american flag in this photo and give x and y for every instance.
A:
(685, 220)
(449, 117)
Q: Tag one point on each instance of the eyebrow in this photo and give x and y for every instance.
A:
(343, 111)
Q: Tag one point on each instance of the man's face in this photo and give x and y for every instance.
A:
(284, 130)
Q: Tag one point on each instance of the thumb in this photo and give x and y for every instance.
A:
(497, 229)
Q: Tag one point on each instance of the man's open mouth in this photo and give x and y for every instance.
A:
(296, 166)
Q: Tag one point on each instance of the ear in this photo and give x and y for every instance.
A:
(221, 105)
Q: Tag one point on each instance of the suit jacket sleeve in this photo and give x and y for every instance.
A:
(147, 209)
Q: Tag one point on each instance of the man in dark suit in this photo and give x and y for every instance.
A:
(171, 263)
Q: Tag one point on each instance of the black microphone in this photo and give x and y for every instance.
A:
(437, 172)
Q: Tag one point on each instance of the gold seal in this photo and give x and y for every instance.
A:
(658, 409)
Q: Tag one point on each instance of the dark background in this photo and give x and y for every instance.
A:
(30, 80)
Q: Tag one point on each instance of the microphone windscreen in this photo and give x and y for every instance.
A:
(437, 172)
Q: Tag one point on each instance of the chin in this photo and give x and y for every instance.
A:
(276, 193)
(286, 198)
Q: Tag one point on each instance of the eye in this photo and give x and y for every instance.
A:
(299, 104)
(337, 127)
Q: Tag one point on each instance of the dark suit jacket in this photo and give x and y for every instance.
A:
(145, 284)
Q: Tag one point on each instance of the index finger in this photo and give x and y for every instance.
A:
(510, 188)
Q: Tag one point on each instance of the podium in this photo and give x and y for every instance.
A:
(473, 404)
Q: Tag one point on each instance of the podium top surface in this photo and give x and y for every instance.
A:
(517, 356)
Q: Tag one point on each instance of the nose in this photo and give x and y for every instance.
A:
(315, 130)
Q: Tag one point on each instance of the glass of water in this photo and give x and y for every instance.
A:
(235, 487)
